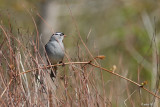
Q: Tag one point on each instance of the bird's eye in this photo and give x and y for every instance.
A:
(61, 34)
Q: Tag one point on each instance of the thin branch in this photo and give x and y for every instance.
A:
(6, 88)
(139, 85)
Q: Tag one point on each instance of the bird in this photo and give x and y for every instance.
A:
(55, 51)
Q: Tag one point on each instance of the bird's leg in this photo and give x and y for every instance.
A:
(61, 62)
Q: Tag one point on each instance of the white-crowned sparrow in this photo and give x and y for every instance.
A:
(55, 50)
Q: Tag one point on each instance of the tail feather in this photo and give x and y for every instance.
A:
(53, 73)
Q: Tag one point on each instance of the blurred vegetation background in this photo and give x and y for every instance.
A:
(127, 32)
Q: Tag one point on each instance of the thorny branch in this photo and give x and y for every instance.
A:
(89, 62)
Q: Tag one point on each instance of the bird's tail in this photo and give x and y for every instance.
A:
(53, 73)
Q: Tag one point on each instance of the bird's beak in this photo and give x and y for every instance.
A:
(64, 35)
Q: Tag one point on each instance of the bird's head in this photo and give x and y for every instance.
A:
(58, 36)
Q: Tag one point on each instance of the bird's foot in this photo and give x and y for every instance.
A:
(63, 64)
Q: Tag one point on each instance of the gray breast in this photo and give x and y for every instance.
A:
(55, 51)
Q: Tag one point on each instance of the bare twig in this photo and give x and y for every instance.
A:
(139, 85)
